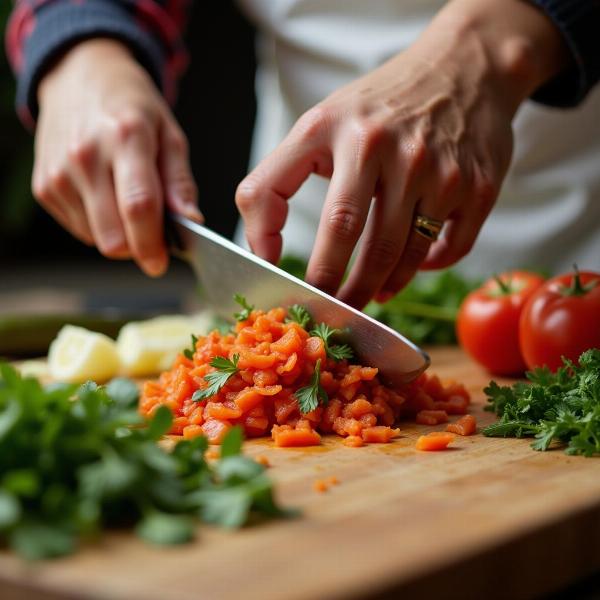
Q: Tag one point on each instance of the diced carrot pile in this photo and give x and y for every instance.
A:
(276, 359)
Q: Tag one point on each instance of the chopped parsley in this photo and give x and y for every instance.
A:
(246, 308)
(310, 396)
(225, 368)
(336, 351)
(561, 407)
(189, 352)
(299, 314)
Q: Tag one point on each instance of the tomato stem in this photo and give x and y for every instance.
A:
(504, 287)
(577, 288)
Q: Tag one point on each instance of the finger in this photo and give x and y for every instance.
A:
(463, 226)
(262, 196)
(64, 203)
(386, 232)
(179, 188)
(103, 214)
(342, 221)
(139, 199)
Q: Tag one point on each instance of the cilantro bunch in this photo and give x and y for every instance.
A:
(561, 407)
(74, 460)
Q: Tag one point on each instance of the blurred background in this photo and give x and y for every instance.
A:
(44, 269)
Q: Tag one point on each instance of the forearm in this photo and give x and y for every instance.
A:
(39, 32)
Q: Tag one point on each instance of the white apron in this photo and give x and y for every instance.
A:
(548, 213)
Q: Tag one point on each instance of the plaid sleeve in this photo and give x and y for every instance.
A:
(579, 23)
(40, 30)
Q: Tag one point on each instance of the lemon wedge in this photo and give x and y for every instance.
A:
(149, 347)
(78, 354)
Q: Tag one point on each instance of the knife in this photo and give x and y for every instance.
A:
(223, 269)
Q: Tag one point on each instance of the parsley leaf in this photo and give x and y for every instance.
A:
(299, 314)
(246, 308)
(189, 352)
(336, 351)
(561, 408)
(311, 395)
(217, 379)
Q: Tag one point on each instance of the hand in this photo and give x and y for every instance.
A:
(108, 153)
(428, 133)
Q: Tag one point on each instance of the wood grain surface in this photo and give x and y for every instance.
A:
(488, 518)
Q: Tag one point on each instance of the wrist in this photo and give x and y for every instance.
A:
(516, 44)
(85, 58)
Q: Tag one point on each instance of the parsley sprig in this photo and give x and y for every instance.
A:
(336, 351)
(225, 368)
(561, 407)
(74, 460)
(246, 308)
(299, 314)
(310, 396)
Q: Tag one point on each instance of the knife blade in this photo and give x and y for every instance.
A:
(223, 269)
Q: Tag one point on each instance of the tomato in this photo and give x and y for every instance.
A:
(562, 318)
(488, 321)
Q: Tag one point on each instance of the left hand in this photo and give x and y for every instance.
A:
(427, 133)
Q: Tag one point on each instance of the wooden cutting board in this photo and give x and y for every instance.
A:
(488, 518)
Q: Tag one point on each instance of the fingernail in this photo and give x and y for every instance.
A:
(155, 267)
(191, 212)
(383, 297)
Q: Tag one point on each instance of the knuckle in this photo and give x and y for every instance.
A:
(343, 219)
(369, 137)
(178, 141)
(128, 124)
(112, 246)
(414, 154)
(485, 192)
(41, 190)
(58, 179)
(246, 195)
(383, 252)
(311, 124)
(82, 151)
(324, 277)
(138, 202)
(185, 188)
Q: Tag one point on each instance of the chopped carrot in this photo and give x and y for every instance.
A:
(466, 425)
(431, 417)
(379, 434)
(354, 441)
(320, 486)
(296, 437)
(261, 459)
(436, 440)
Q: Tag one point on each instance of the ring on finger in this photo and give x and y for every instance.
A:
(427, 227)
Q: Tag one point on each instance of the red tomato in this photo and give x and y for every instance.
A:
(488, 321)
(562, 318)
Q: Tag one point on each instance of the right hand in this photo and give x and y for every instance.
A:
(109, 153)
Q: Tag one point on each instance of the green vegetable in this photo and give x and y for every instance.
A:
(336, 351)
(246, 308)
(561, 407)
(74, 460)
(425, 310)
(311, 395)
(217, 379)
(299, 314)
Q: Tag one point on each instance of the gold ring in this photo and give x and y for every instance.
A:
(428, 228)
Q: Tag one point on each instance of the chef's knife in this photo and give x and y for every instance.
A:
(223, 269)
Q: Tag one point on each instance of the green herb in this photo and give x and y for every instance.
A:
(425, 310)
(336, 351)
(561, 407)
(299, 314)
(294, 265)
(189, 352)
(217, 379)
(75, 460)
(310, 396)
(246, 308)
